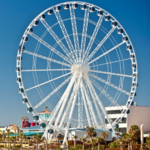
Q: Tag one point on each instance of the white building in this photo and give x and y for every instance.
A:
(114, 113)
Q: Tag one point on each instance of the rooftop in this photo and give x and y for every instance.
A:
(45, 112)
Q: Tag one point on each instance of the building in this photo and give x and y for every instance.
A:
(45, 114)
(137, 115)
(114, 113)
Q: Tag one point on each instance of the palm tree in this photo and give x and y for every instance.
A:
(8, 133)
(104, 135)
(99, 140)
(135, 131)
(37, 137)
(21, 135)
(90, 132)
(3, 137)
(117, 134)
(83, 140)
(75, 137)
(13, 139)
(88, 142)
(25, 138)
(93, 141)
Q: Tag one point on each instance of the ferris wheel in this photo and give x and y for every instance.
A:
(77, 59)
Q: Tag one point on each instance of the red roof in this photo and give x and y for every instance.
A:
(45, 112)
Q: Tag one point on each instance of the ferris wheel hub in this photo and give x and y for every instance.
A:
(80, 68)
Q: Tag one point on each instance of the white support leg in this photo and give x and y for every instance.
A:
(85, 105)
(97, 109)
(101, 105)
(65, 98)
(90, 105)
(72, 108)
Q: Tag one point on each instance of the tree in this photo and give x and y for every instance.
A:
(25, 138)
(75, 137)
(21, 135)
(99, 140)
(83, 140)
(90, 132)
(135, 131)
(37, 138)
(93, 141)
(117, 134)
(8, 133)
(3, 136)
(44, 139)
(13, 139)
(104, 135)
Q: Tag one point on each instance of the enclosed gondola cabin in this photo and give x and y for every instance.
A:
(83, 6)
(50, 12)
(24, 100)
(66, 6)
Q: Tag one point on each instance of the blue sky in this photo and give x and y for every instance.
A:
(16, 16)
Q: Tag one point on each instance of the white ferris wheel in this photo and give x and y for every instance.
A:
(77, 59)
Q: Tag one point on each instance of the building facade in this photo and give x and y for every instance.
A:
(114, 113)
(137, 115)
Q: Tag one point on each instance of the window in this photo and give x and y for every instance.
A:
(114, 111)
(113, 119)
(123, 130)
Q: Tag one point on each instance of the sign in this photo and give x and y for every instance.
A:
(24, 124)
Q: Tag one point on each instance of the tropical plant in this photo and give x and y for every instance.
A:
(114, 144)
(8, 133)
(135, 131)
(99, 140)
(93, 141)
(83, 140)
(37, 138)
(25, 139)
(3, 136)
(90, 132)
(75, 137)
(104, 135)
(13, 139)
(117, 134)
(20, 136)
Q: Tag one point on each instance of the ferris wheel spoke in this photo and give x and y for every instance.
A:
(110, 84)
(93, 97)
(99, 102)
(72, 107)
(53, 92)
(65, 98)
(46, 58)
(92, 39)
(100, 44)
(90, 106)
(111, 73)
(84, 32)
(53, 34)
(68, 105)
(65, 33)
(47, 81)
(45, 70)
(85, 105)
(74, 29)
(50, 47)
(114, 103)
(105, 53)
(110, 62)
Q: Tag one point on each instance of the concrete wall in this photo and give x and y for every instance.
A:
(139, 115)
